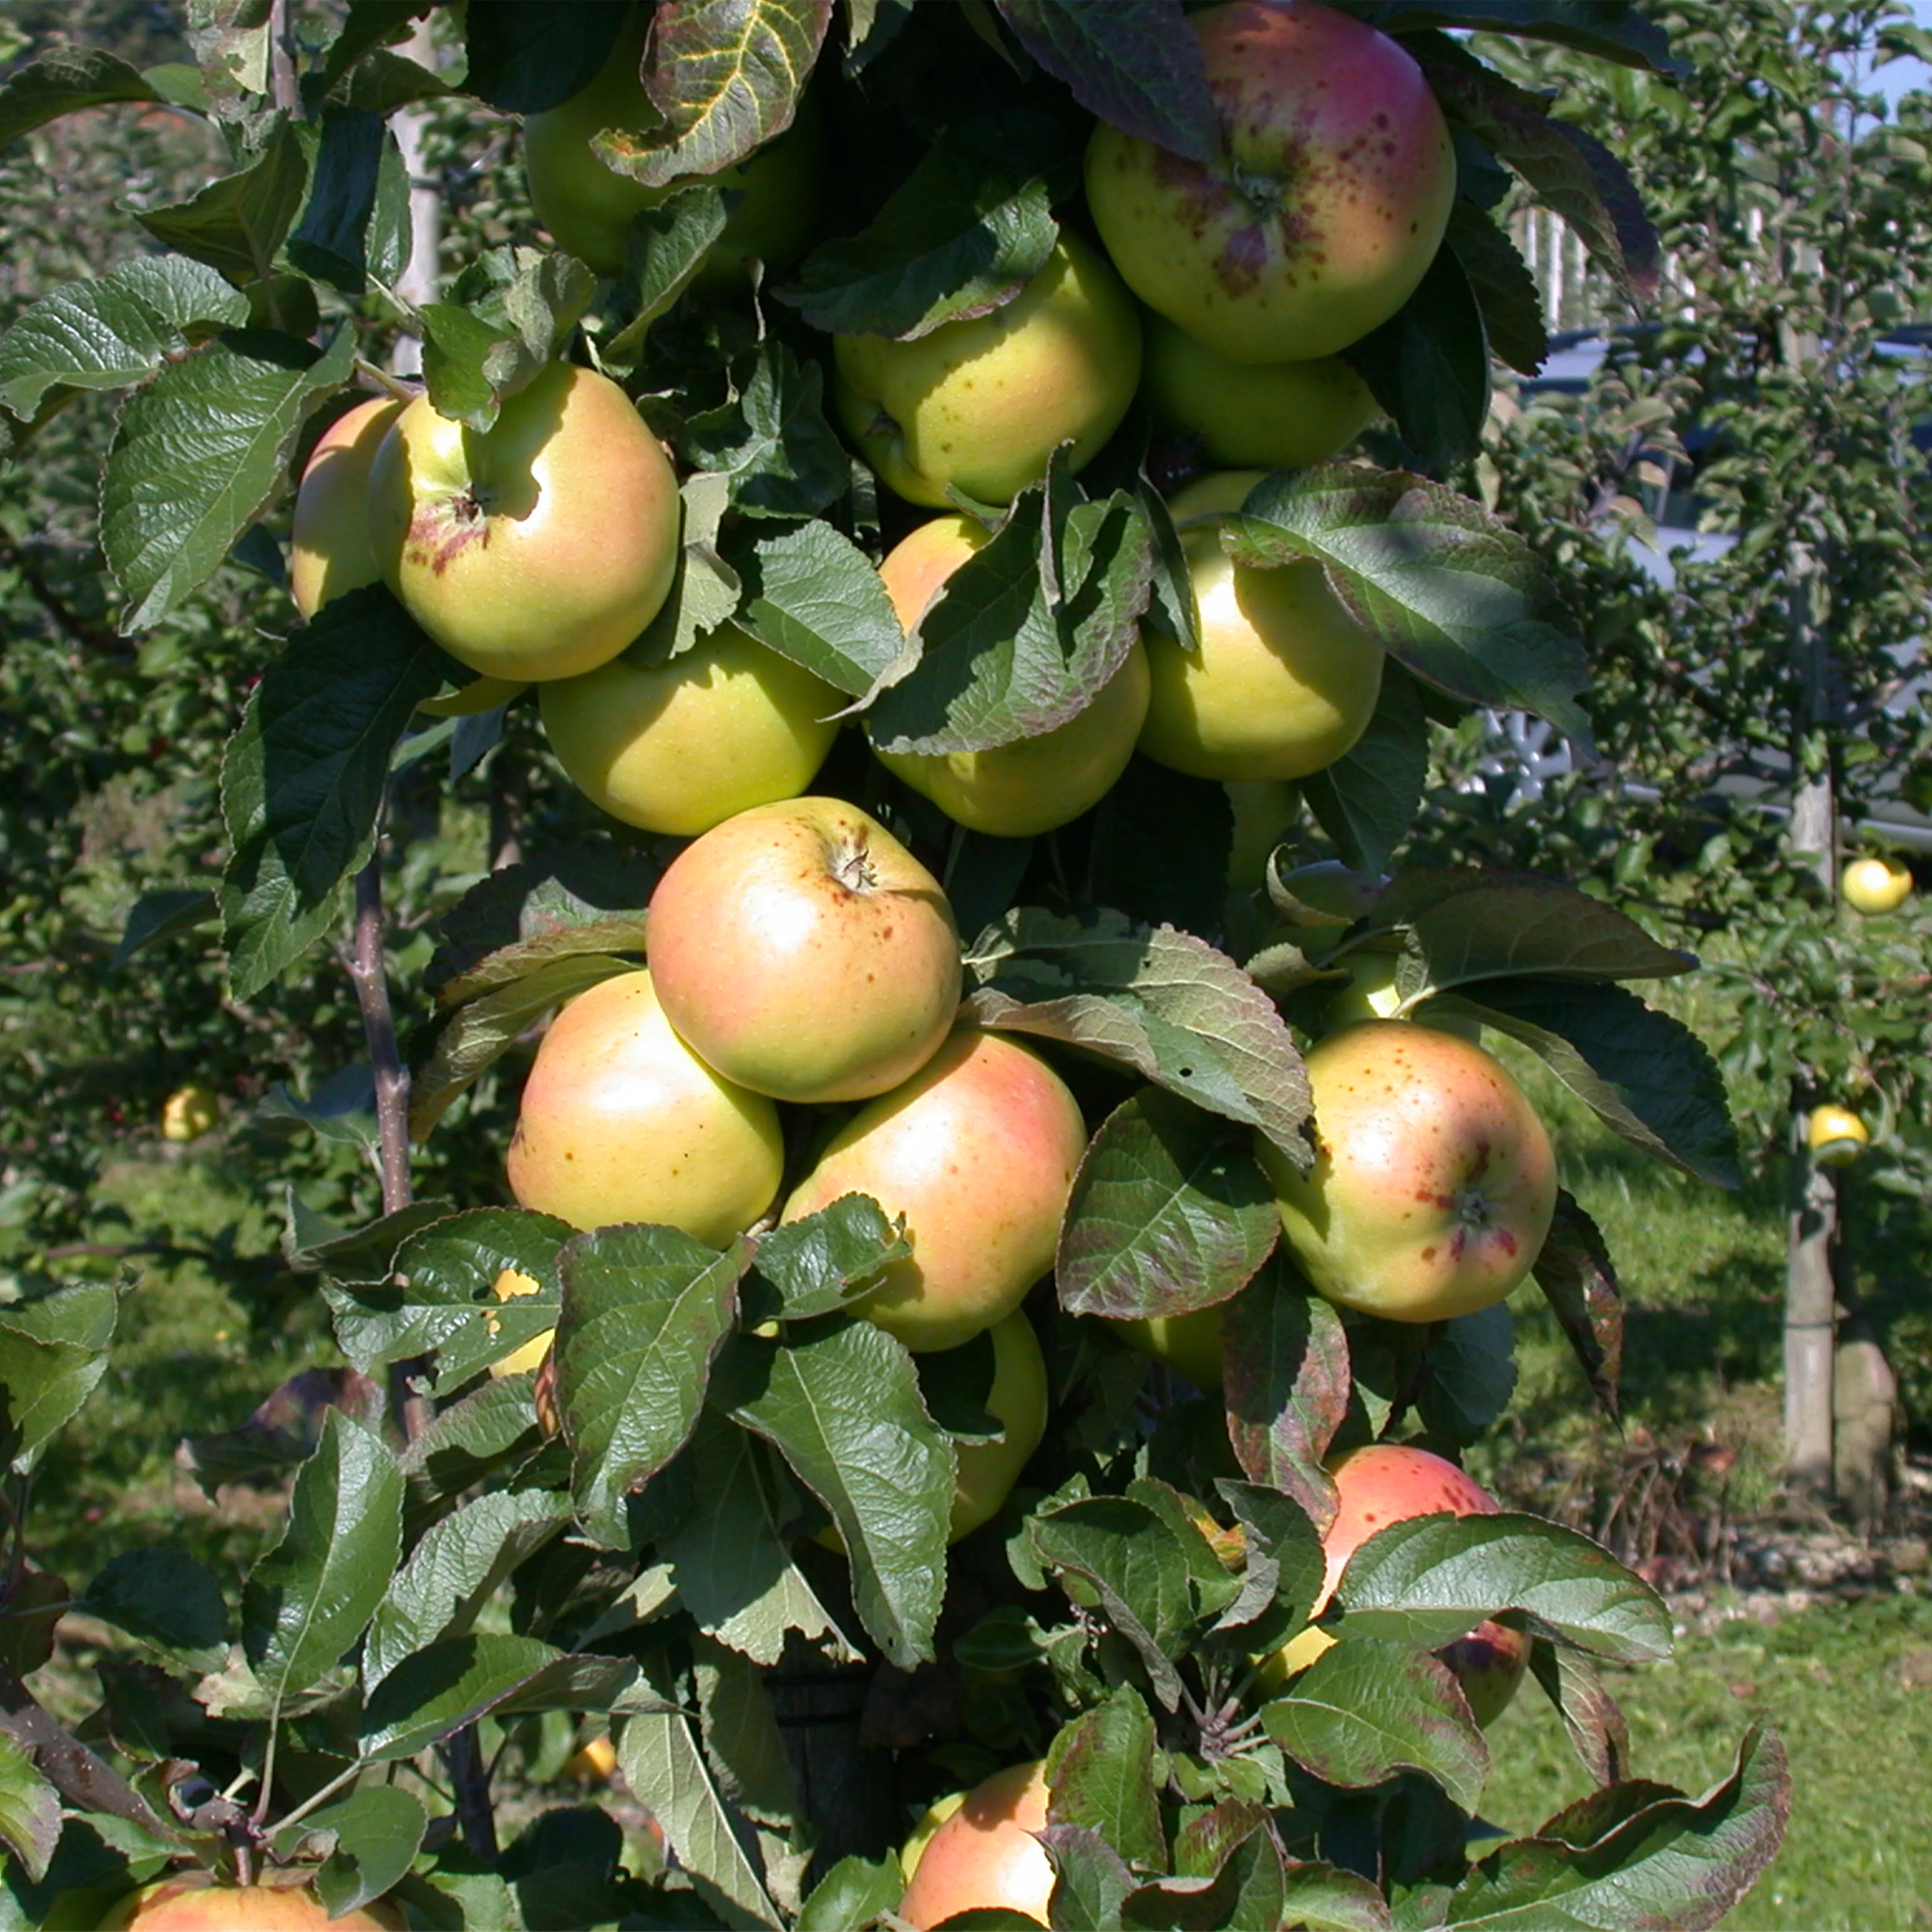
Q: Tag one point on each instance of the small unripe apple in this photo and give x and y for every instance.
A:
(621, 1121)
(978, 1151)
(1323, 206)
(1372, 994)
(1015, 790)
(801, 950)
(1433, 1183)
(330, 548)
(538, 548)
(1836, 1136)
(193, 1902)
(679, 747)
(1875, 885)
(512, 1284)
(1249, 416)
(1284, 681)
(1188, 1344)
(984, 1854)
(189, 1112)
(980, 404)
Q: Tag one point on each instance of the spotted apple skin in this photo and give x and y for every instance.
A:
(1433, 1183)
(1321, 213)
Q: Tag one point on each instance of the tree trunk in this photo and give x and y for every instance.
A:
(1810, 1316)
(419, 280)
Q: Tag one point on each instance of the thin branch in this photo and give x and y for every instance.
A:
(82, 1779)
(379, 1027)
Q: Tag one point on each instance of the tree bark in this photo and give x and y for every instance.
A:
(1811, 1318)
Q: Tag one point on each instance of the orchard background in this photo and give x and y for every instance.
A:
(172, 1356)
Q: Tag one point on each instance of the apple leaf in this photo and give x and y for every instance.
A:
(1645, 1073)
(813, 595)
(53, 1350)
(1453, 593)
(356, 222)
(1429, 366)
(377, 1830)
(1653, 1858)
(63, 81)
(197, 457)
(1366, 800)
(962, 235)
(1133, 63)
(1572, 172)
(667, 245)
(1283, 1570)
(1028, 631)
(1468, 1375)
(453, 1571)
(772, 440)
(1590, 1714)
(313, 1594)
(437, 1297)
(840, 1401)
(855, 1892)
(161, 914)
(30, 1809)
(162, 1597)
(528, 56)
(118, 329)
(1161, 1001)
(728, 1558)
(740, 1734)
(1099, 1774)
(1162, 844)
(510, 313)
(819, 1263)
(476, 1436)
(1366, 1709)
(237, 224)
(1430, 1579)
(1090, 1878)
(591, 930)
(1613, 30)
(1167, 1213)
(1579, 1281)
(1288, 1378)
(726, 75)
(646, 1310)
(1504, 288)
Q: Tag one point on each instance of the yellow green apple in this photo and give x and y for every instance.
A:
(1323, 204)
(620, 1121)
(1284, 681)
(1188, 1344)
(1372, 994)
(538, 548)
(189, 1112)
(980, 404)
(1267, 415)
(1433, 1183)
(804, 952)
(1034, 784)
(977, 1150)
(1875, 885)
(283, 1902)
(984, 1854)
(330, 548)
(988, 1471)
(510, 1285)
(676, 748)
(1835, 1135)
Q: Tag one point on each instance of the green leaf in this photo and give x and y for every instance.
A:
(1430, 1579)
(705, 590)
(1162, 844)
(237, 224)
(527, 56)
(812, 595)
(1453, 593)
(1167, 1213)
(1469, 1375)
(163, 1597)
(30, 1809)
(65, 80)
(1590, 1714)
(772, 440)
(197, 456)
(1645, 1073)
(308, 1600)
(161, 914)
(1367, 801)
(646, 1311)
(1574, 1271)
(853, 1894)
(841, 1402)
(1099, 1773)
(357, 218)
(1132, 62)
(1365, 1710)
(378, 1831)
(342, 1110)
(1428, 366)
(117, 330)
(819, 1263)
(1090, 1878)
(1288, 1380)
(1504, 288)
(1163, 1002)
(471, 1439)
(673, 239)
(1613, 30)
(1284, 1571)
(1135, 1561)
(960, 237)
(53, 1352)
(585, 899)
(310, 1242)
(453, 1571)
(740, 1734)
(1673, 1860)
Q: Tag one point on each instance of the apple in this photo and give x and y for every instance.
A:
(1372, 994)
(1286, 680)
(507, 1286)
(594, 1764)
(478, 695)
(679, 747)
(977, 1150)
(588, 208)
(538, 548)
(984, 1855)
(1836, 1136)
(1188, 1344)
(330, 548)
(801, 950)
(1387, 1483)
(620, 1121)
(1269, 415)
(193, 1902)
(988, 1471)
(1034, 785)
(1433, 1184)
(189, 1112)
(937, 1813)
(1875, 885)
(980, 404)
(1322, 208)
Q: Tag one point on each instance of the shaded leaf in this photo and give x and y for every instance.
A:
(772, 440)
(237, 224)
(1574, 1271)
(1504, 288)
(820, 1262)
(527, 56)
(1469, 1375)
(161, 914)
(1284, 1570)
(1613, 30)
(165, 1598)
(378, 1831)
(1428, 365)
(64, 79)
(1590, 1714)
(1366, 800)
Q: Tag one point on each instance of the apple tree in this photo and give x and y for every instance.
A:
(589, 1473)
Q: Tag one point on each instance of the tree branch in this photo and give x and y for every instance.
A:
(82, 1779)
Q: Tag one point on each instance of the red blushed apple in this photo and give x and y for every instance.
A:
(977, 1150)
(1323, 208)
(192, 1902)
(1387, 1482)
(1433, 1183)
(984, 1854)
(803, 951)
